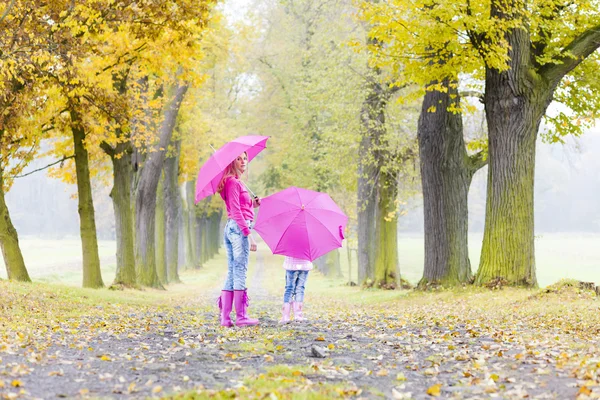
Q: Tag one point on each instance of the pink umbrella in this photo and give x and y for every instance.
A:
(212, 171)
(301, 223)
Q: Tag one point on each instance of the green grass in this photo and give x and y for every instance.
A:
(558, 256)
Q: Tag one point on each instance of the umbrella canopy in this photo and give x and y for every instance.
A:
(301, 223)
(212, 171)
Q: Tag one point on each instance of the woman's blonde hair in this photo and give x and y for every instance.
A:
(230, 171)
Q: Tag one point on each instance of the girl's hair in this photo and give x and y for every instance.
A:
(230, 171)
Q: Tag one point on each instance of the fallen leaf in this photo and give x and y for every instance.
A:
(157, 389)
(434, 390)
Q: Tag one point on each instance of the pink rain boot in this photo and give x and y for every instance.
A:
(298, 315)
(285, 311)
(225, 304)
(240, 300)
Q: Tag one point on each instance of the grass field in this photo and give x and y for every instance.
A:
(575, 256)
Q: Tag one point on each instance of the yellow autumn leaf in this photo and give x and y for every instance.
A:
(434, 390)
(297, 373)
(17, 383)
(400, 377)
(320, 339)
(157, 389)
(105, 358)
(331, 346)
(382, 372)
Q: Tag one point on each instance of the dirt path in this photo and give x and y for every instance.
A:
(369, 352)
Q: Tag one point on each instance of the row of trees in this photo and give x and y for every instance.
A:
(111, 86)
(366, 104)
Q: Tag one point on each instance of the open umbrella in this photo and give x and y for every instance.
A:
(300, 223)
(212, 171)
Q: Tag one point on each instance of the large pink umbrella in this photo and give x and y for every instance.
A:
(212, 171)
(301, 223)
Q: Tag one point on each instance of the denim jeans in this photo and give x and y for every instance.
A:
(294, 286)
(238, 255)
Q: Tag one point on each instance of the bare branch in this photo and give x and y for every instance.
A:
(46, 167)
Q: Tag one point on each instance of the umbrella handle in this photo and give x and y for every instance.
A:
(342, 232)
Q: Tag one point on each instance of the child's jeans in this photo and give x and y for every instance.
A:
(238, 255)
(294, 286)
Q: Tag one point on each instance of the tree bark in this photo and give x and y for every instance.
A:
(201, 250)
(373, 126)
(146, 196)
(9, 241)
(160, 237)
(172, 212)
(187, 238)
(386, 258)
(121, 197)
(446, 174)
(192, 254)
(515, 102)
(92, 277)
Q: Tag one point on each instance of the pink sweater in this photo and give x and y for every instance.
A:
(238, 203)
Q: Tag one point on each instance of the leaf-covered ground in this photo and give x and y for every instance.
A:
(65, 342)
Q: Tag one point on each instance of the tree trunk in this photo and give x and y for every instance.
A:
(515, 102)
(121, 197)
(201, 250)
(194, 256)
(215, 230)
(508, 253)
(329, 264)
(146, 196)
(92, 277)
(373, 125)
(9, 240)
(187, 237)
(386, 258)
(161, 263)
(446, 174)
(172, 213)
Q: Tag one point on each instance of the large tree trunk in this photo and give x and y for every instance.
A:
(161, 263)
(508, 252)
(92, 277)
(386, 258)
(172, 213)
(9, 240)
(329, 264)
(146, 196)
(515, 102)
(121, 197)
(446, 174)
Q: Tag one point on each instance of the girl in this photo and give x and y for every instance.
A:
(295, 280)
(238, 242)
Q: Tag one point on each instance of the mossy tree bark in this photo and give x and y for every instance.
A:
(446, 174)
(92, 276)
(515, 102)
(121, 197)
(145, 204)
(9, 241)
(160, 231)
(172, 212)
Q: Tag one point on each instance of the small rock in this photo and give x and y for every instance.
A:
(318, 351)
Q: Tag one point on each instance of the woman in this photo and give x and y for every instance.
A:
(238, 242)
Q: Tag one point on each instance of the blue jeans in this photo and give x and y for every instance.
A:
(238, 255)
(294, 286)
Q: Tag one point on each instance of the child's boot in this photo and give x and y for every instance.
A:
(285, 313)
(298, 315)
